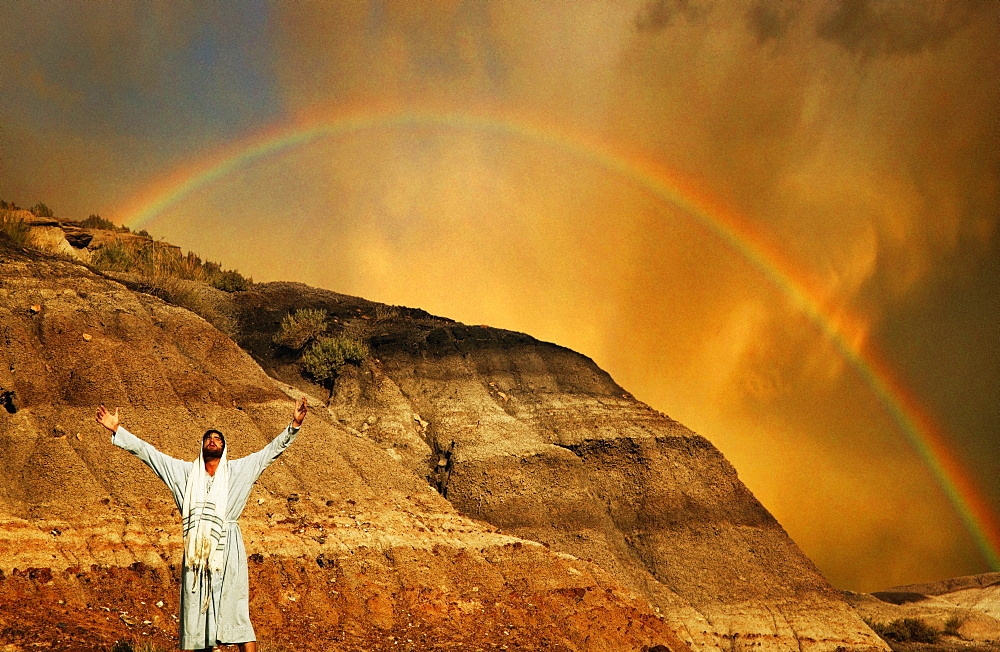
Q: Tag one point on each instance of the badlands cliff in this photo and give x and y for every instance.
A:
(466, 487)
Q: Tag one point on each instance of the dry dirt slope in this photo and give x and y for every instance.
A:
(608, 513)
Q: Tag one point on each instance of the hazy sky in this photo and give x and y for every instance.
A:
(529, 189)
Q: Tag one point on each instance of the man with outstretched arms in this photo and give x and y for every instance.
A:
(210, 493)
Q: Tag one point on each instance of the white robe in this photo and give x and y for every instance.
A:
(227, 619)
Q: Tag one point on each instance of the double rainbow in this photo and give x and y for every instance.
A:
(923, 434)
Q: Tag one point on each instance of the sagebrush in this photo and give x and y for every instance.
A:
(324, 357)
(906, 630)
(301, 327)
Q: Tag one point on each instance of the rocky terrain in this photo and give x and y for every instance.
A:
(980, 593)
(968, 608)
(464, 487)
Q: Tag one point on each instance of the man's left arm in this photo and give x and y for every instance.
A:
(264, 457)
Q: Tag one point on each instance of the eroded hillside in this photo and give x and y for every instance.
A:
(466, 486)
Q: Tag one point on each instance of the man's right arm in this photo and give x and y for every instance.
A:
(169, 469)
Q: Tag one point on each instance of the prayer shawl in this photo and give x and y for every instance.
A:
(204, 514)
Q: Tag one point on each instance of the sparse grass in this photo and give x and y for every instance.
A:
(175, 277)
(141, 255)
(362, 328)
(906, 630)
(952, 625)
(196, 298)
(154, 260)
(162, 270)
(385, 313)
(98, 222)
(300, 328)
(14, 228)
(356, 329)
(147, 258)
(120, 256)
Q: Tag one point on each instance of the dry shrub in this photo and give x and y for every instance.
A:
(324, 358)
(15, 228)
(904, 630)
(41, 210)
(952, 626)
(229, 280)
(98, 222)
(300, 328)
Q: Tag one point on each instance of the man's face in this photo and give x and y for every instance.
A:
(212, 445)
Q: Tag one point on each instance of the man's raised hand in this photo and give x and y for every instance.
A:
(300, 412)
(107, 418)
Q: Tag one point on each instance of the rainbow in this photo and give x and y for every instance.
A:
(928, 439)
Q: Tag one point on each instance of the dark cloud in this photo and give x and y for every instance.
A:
(656, 15)
(770, 19)
(874, 27)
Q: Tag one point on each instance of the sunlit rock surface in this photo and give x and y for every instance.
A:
(466, 486)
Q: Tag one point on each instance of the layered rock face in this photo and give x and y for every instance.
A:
(539, 441)
(349, 549)
(466, 486)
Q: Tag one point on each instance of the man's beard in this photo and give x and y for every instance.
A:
(212, 453)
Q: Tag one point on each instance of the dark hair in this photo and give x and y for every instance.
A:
(217, 432)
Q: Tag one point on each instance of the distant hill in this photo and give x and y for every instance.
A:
(967, 606)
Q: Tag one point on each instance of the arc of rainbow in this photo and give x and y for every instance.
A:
(922, 433)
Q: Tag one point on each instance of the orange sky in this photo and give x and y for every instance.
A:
(860, 137)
